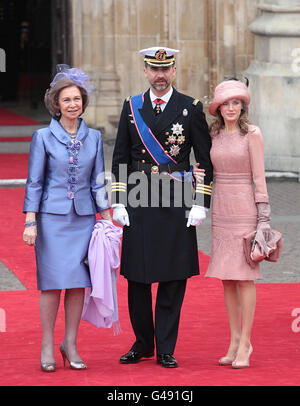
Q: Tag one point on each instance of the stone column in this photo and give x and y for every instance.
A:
(229, 41)
(93, 50)
(275, 82)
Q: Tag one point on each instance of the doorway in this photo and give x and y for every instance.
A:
(30, 33)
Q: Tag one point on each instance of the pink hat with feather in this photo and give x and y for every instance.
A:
(229, 89)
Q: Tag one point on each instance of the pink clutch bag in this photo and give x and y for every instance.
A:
(254, 253)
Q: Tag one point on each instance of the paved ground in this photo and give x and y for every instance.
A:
(285, 204)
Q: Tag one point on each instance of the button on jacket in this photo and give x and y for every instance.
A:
(52, 170)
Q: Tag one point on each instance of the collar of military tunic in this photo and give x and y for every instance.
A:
(166, 97)
(61, 134)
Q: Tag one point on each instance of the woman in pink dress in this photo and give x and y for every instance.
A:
(237, 155)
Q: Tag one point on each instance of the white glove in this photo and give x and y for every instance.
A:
(196, 216)
(120, 215)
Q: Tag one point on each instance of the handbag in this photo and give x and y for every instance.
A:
(254, 253)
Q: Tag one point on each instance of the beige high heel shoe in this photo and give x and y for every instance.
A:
(243, 364)
(226, 360)
(73, 364)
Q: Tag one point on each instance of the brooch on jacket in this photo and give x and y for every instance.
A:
(73, 150)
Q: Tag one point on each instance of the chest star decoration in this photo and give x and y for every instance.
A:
(174, 150)
(177, 129)
(172, 139)
(180, 139)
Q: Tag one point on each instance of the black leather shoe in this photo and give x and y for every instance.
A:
(132, 357)
(167, 360)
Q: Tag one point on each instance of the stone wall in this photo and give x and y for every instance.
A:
(214, 40)
(212, 37)
(275, 82)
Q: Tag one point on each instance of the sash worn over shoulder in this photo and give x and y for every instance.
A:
(154, 148)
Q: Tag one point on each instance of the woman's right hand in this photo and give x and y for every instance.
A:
(198, 173)
(29, 235)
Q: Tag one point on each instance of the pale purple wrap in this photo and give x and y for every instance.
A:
(101, 303)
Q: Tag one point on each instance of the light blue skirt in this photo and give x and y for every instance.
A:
(61, 249)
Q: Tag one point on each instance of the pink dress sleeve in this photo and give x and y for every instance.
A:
(256, 151)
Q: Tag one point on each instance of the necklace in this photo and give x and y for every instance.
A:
(72, 135)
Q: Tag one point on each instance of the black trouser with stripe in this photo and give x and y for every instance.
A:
(167, 314)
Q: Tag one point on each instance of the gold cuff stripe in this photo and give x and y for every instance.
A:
(202, 184)
(203, 192)
(204, 187)
(119, 186)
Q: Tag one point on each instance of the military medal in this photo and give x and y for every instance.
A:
(177, 138)
(177, 129)
(174, 150)
(157, 106)
(172, 139)
(180, 139)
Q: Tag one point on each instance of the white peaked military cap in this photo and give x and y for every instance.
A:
(159, 56)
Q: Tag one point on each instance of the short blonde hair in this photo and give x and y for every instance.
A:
(52, 95)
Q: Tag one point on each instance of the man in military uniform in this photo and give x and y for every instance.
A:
(157, 130)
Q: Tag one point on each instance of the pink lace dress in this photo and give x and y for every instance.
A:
(238, 162)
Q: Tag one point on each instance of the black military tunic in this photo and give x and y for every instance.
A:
(158, 246)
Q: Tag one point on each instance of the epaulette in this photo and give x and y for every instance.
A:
(128, 98)
(195, 102)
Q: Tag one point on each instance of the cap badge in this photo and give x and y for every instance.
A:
(160, 55)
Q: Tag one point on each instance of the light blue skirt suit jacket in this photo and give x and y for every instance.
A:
(66, 188)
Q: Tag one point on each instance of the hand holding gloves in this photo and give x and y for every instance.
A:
(264, 235)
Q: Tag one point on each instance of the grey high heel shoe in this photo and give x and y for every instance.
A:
(73, 364)
(48, 366)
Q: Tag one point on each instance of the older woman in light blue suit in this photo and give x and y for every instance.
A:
(65, 189)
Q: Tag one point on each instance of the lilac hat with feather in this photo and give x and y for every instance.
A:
(76, 75)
